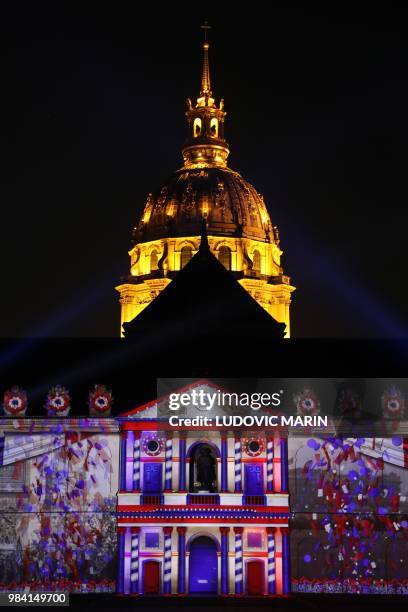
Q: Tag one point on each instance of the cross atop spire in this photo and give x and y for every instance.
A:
(205, 27)
(205, 79)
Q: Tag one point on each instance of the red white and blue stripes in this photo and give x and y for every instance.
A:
(238, 560)
(167, 560)
(136, 462)
(134, 561)
(169, 463)
(238, 465)
(269, 465)
(271, 561)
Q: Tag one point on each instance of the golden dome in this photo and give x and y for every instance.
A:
(239, 228)
(231, 206)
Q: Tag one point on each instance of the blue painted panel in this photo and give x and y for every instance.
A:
(152, 477)
(203, 572)
(254, 479)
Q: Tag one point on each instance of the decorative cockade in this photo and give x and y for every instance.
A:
(15, 402)
(153, 445)
(306, 402)
(393, 403)
(58, 402)
(100, 401)
(349, 403)
(253, 445)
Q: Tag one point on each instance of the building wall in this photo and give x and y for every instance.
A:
(350, 502)
(59, 523)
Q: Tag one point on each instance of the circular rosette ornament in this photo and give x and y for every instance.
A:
(58, 402)
(152, 445)
(393, 404)
(253, 446)
(15, 402)
(100, 401)
(349, 403)
(307, 403)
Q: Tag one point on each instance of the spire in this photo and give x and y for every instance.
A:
(205, 79)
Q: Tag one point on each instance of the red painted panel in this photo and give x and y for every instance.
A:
(151, 578)
(255, 577)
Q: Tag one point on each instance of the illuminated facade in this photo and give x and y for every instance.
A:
(240, 231)
(179, 536)
(120, 503)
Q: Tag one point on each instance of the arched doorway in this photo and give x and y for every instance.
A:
(203, 567)
(255, 577)
(151, 577)
(198, 465)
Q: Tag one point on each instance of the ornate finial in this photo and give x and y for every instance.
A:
(205, 80)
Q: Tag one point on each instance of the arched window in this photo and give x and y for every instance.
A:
(197, 127)
(185, 256)
(224, 255)
(154, 260)
(256, 261)
(214, 127)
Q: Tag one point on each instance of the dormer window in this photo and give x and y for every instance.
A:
(197, 127)
(154, 261)
(256, 261)
(186, 255)
(224, 256)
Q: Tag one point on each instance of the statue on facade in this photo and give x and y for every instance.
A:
(206, 469)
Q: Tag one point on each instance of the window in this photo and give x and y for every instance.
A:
(214, 127)
(197, 127)
(224, 255)
(154, 261)
(186, 255)
(256, 261)
(152, 539)
(254, 539)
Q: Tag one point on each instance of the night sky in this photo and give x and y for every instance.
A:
(93, 119)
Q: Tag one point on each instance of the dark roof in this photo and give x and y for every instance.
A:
(205, 302)
(243, 209)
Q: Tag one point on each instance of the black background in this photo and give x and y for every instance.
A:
(93, 119)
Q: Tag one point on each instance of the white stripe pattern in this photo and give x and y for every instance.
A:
(271, 563)
(238, 466)
(136, 463)
(238, 561)
(167, 561)
(134, 559)
(269, 461)
(169, 463)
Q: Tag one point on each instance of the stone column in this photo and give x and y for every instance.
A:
(167, 560)
(123, 460)
(269, 464)
(182, 462)
(284, 465)
(136, 462)
(285, 560)
(271, 560)
(134, 561)
(238, 464)
(224, 463)
(238, 560)
(224, 560)
(169, 463)
(181, 560)
(121, 559)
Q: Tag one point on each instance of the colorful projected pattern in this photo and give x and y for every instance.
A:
(349, 532)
